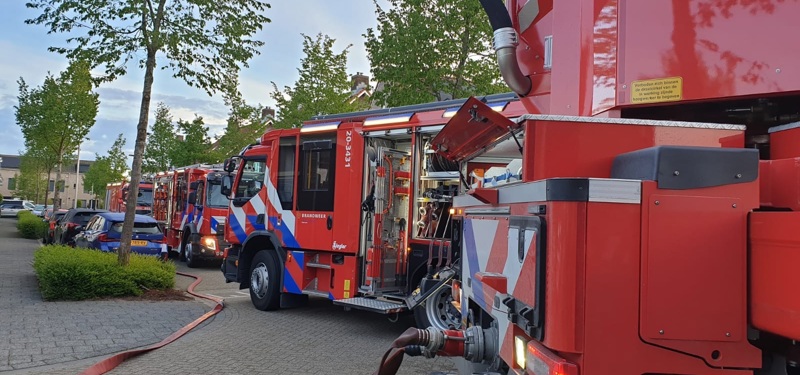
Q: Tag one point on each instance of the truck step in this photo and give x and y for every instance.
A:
(318, 265)
(372, 304)
(314, 292)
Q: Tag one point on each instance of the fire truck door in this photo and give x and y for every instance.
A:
(315, 191)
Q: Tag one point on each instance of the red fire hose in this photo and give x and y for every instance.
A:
(112, 362)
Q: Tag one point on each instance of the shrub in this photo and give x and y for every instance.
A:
(30, 225)
(67, 273)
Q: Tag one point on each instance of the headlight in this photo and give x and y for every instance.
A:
(210, 243)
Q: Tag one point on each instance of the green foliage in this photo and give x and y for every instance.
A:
(434, 50)
(323, 87)
(106, 169)
(161, 142)
(195, 145)
(244, 126)
(30, 226)
(202, 42)
(67, 273)
(55, 117)
(35, 169)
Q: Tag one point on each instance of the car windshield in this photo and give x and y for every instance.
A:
(138, 228)
(145, 197)
(214, 197)
(38, 207)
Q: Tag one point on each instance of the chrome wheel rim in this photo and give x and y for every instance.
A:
(440, 310)
(259, 280)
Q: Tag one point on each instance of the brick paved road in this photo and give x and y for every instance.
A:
(318, 339)
(37, 333)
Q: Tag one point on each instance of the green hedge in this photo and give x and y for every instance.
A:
(67, 273)
(30, 225)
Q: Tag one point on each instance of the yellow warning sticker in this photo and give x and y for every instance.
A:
(346, 294)
(657, 90)
(347, 284)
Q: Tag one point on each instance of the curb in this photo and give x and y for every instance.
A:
(115, 360)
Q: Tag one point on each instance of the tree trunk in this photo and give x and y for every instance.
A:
(56, 203)
(123, 254)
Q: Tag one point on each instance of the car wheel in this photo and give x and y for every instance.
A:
(265, 281)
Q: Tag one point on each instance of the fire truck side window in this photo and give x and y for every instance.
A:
(317, 167)
(286, 172)
(252, 178)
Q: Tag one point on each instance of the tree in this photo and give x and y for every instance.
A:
(98, 176)
(32, 180)
(203, 43)
(195, 145)
(106, 169)
(323, 87)
(244, 126)
(161, 142)
(428, 51)
(41, 161)
(57, 116)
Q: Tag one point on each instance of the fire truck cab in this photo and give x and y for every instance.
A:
(351, 207)
(192, 210)
(117, 197)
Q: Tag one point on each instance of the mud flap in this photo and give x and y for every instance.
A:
(228, 267)
(290, 300)
(445, 275)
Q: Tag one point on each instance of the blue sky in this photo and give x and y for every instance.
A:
(24, 54)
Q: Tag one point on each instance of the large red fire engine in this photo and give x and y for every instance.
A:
(189, 204)
(654, 229)
(117, 193)
(351, 207)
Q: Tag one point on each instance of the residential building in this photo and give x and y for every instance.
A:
(9, 174)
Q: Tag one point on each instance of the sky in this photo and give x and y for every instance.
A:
(24, 54)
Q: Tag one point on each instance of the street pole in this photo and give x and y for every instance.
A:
(77, 175)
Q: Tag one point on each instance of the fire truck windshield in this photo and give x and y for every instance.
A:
(214, 197)
(145, 197)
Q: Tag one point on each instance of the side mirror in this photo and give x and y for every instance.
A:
(227, 186)
(192, 198)
(229, 165)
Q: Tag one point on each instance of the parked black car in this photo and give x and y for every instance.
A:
(72, 223)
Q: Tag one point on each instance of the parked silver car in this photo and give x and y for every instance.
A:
(11, 207)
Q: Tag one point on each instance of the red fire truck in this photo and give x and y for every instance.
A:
(351, 207)
(117, 193)
(192, 210)
(654, 228)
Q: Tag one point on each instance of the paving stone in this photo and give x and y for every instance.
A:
(320, 338)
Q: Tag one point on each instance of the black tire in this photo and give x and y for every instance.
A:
(191, 260)
(265, 277)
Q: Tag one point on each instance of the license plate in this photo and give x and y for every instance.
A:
(138, 243)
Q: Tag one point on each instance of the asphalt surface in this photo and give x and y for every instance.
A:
(320, 338)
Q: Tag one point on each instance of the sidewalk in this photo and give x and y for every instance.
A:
(38, 333)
